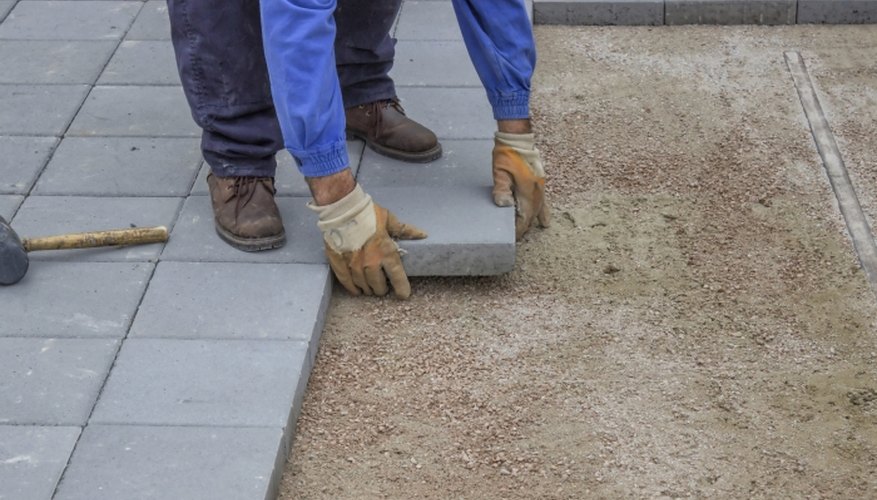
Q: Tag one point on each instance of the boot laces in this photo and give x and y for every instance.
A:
(244, 188)
(375, 108)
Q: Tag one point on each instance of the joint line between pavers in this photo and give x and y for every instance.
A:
(832, 161)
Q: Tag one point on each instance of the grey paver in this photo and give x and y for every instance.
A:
(50, 61)
(135, 111)
(159, 463)
(730, 12)
(73, 299)
(599, 12)
(142, 62)
(468, 235)
(51, 215)
(32, 460)
(23, 159)
(193, 382)
(52, 381)
(234, 301)
(9, 204)
(5, 7)
(452, 113)
(38, 109)
(194, 237)
(121, 166)
(427, 20)
(152, 23)
(463, 163)
(434, 64)
(60, 20)
(837, 11)
(288, 180)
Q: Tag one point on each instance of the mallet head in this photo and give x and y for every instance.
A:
(13, 256)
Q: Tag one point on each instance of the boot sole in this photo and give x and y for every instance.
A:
(420, 157)
(251, 244)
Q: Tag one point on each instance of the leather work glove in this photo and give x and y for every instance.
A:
(358, 235)
(519, 180)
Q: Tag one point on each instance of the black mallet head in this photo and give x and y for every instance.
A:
(13, 256)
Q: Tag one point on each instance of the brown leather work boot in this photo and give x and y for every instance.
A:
(245, 214)
(385, 128)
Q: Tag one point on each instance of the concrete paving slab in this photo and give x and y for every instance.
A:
(50, 215)
(142, 62)
(245, 301)
(203, 383)
(73, 300)
(427, 20)
(159, 463)
(135, 111)
(121, 166)
(62, 20)
(837, 11)
(152, 23)
(194, 238)
(770, 12)
(51, 61)
(599, 12)
(39, 109)
(23, 160)
(5, 7)
(434, 64)
(463, 163)
(32, 460)
(52, 381)
(9, 204)
(288, 180)
(452, 113)
(468, 235)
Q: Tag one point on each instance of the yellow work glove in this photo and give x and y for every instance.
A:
(358, 235)
(519, 180)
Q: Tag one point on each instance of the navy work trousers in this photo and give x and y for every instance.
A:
(218, 46)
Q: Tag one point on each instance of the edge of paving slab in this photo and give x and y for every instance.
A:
(723, 12)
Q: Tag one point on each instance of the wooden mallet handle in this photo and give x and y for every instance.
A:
(115, 237)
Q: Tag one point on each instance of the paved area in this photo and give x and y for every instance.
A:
(177, 370)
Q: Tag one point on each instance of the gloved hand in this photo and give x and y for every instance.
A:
(358, 235)
(519, 179)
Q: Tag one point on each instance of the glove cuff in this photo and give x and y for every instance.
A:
(524, 145)
(348, 223)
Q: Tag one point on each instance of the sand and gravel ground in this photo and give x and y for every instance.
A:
(694, 324)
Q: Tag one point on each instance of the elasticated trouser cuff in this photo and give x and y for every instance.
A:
(322, 162)
(515, 106)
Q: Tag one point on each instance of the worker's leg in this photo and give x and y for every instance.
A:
(218, 45)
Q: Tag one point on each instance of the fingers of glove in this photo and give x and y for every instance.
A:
(544, 215)
(403, 231)
(377, 280)
(396, 273)
(525, 216)
(342, 272)
(502, 188)
(357, 272)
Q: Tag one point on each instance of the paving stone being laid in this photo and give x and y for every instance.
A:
(39, 109)
(52, 381)
(452, 113)
(160, 463)
(730, 12)
(433, 64)
(599, 12)
(463, 163)
(187, 300)
(63, 20)
(194, 238)
(9, 204)
(52, 215)
(152, 23)
(73, 300)
(142, 62)
(468, 234)
(23, 160)
(288, 180)
(135, 111)
(427, 20)
(50, 61)
(837, 11)
(204, 383)
(121, 166)
(32, 460)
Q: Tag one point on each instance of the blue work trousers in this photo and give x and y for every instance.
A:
(220, 57)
